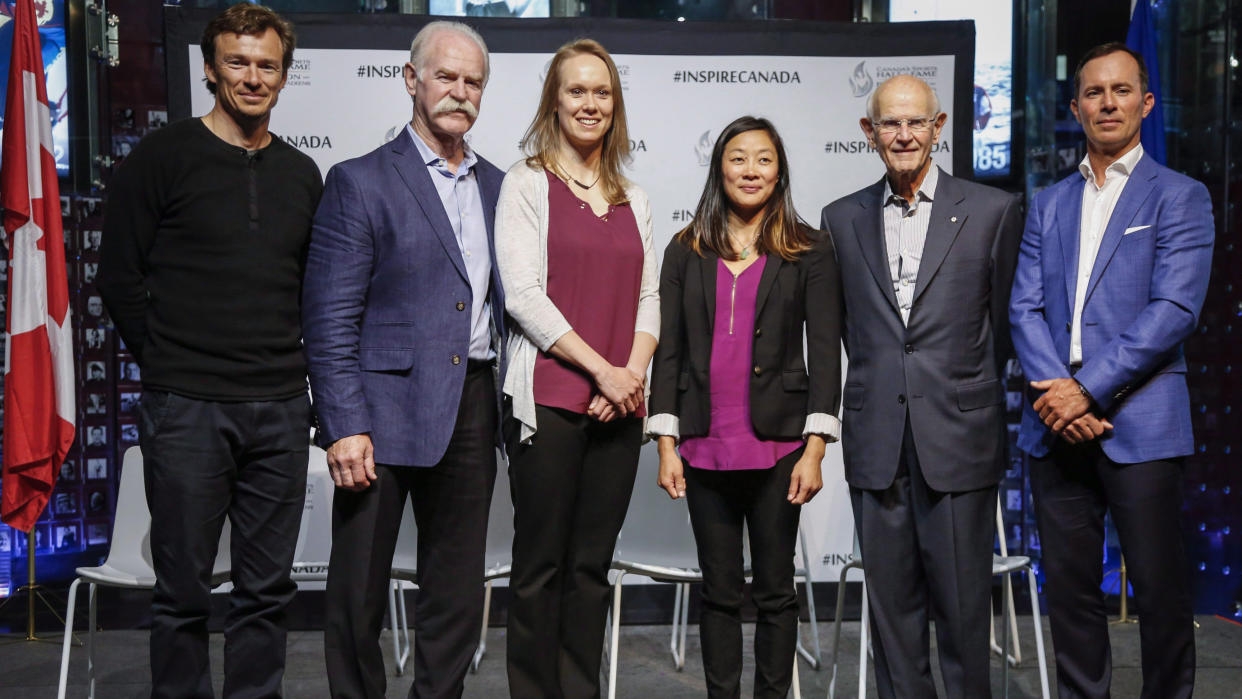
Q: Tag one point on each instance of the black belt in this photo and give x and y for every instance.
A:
(473, 365)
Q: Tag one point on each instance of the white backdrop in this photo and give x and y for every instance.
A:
(342, 103)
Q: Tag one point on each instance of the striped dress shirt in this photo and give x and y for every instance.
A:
(905, 231)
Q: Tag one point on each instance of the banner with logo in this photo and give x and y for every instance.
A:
(682, 82)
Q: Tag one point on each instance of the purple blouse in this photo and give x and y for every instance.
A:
(731, 443)
(595, 272)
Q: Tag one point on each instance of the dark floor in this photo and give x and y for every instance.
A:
(646, 667)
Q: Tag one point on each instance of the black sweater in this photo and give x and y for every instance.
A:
(201, 265)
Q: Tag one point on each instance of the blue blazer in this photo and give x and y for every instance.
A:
(385, 305)
(1143, 299)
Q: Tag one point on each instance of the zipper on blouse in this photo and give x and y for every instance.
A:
(732, 303)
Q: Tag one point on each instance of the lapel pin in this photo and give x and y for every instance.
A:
(953, 219)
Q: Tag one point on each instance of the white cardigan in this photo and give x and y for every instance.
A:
(522, 257)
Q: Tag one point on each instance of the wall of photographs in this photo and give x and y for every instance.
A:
(75, 527)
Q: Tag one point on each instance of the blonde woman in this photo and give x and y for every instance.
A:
(573, 242)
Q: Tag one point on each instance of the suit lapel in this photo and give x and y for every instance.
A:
(1139, 186)
(413, 173)
(1069, 218)
(489, 191)
(707, 271)
(947, 218)
(869, 230)
(771, 268)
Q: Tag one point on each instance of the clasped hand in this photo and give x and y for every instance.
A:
(351, 461)
(620, 393)
(1066, 411)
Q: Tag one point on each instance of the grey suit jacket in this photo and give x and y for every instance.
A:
(945, 368)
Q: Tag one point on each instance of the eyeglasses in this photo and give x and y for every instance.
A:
(915, 124)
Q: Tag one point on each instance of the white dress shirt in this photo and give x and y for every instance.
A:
(1098, 203)
(905, 232)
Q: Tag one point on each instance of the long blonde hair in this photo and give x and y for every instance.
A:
(542, 142)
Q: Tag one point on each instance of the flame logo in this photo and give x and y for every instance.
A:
(860, 81)
(703, 149)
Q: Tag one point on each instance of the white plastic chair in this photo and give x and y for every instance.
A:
(499, 557)
(1003, 565)
(128, 564)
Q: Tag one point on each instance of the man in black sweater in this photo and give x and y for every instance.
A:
(204, 246)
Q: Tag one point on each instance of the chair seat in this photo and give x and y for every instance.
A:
(668, 573)
(111, 575)
(499, 571)
(1009, 564)
(406, 574)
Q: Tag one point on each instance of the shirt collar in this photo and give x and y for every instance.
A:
(926, 191)
(1123, 165)
(433, 159)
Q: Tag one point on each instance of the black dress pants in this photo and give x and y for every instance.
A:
(719, 503)
(451, 501)
(204, 460)
(1073, 487)
(927, 555)
(571, 489)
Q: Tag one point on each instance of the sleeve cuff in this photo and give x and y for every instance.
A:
(664, 425)
(824, 425)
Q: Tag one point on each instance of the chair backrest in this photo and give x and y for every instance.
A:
(130, 548)
(500, 523)
(657, 528)
(314, 546)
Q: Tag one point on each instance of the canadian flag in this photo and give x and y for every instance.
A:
(38, 356)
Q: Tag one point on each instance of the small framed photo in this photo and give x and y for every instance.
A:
(91, 240)
(96, 436)
(68, 472)
(129, 402)
(68, 537)
(96, 404)
(131, 372)
(96, 533)
(97, 468)
(129, 433)
(65, 502)
(96, 371)
(89, 270)
(97, 500)
(94, 338)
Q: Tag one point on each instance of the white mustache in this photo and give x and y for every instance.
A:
(448, 105)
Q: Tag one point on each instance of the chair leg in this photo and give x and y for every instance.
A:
(1005, 653)
(487, 612)
(64, 650)
(1015, 657)
(90, 638)
(1039, 632)
(685, 618)
(616, 636)
(674, 635)
(836, 631)
(864, 627)
(400, 626)
(815, 660)
(796, 688)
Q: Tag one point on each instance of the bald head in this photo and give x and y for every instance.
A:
(902, 88)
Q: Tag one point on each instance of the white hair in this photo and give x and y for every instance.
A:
(873, 102)
(422, 40)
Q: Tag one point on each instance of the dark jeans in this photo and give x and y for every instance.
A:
(204, 460)
(451, 501)
(1073, 487)
(719, 503)
(571, 489)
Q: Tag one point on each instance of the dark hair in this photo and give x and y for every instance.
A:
(249, 20)
(1105, 50)
(781, 231)
(542, 141)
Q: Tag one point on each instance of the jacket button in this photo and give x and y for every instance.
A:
(456, 359)
(909, 349)
(901, 398)
(758, 371)
(461, 306)
(758, 332)
(1068, 328)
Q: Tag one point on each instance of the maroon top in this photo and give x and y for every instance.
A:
(595, 272)
(731, 443)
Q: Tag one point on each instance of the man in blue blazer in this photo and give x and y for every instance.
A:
(402, 313)
(1111, 276)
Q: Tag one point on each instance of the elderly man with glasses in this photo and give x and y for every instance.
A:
(926, 264)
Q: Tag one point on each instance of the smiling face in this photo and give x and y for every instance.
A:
(750, 170)
(248, 74)
(448, 88)
(905, 151)
(1111, 103)
(584, 101)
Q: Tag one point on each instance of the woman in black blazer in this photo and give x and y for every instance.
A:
(742, 416)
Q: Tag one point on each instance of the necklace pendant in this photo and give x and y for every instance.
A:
(745, 253)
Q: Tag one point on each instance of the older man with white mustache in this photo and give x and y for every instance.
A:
(402, 313)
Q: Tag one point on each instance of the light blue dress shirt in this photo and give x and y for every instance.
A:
(463, 204)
